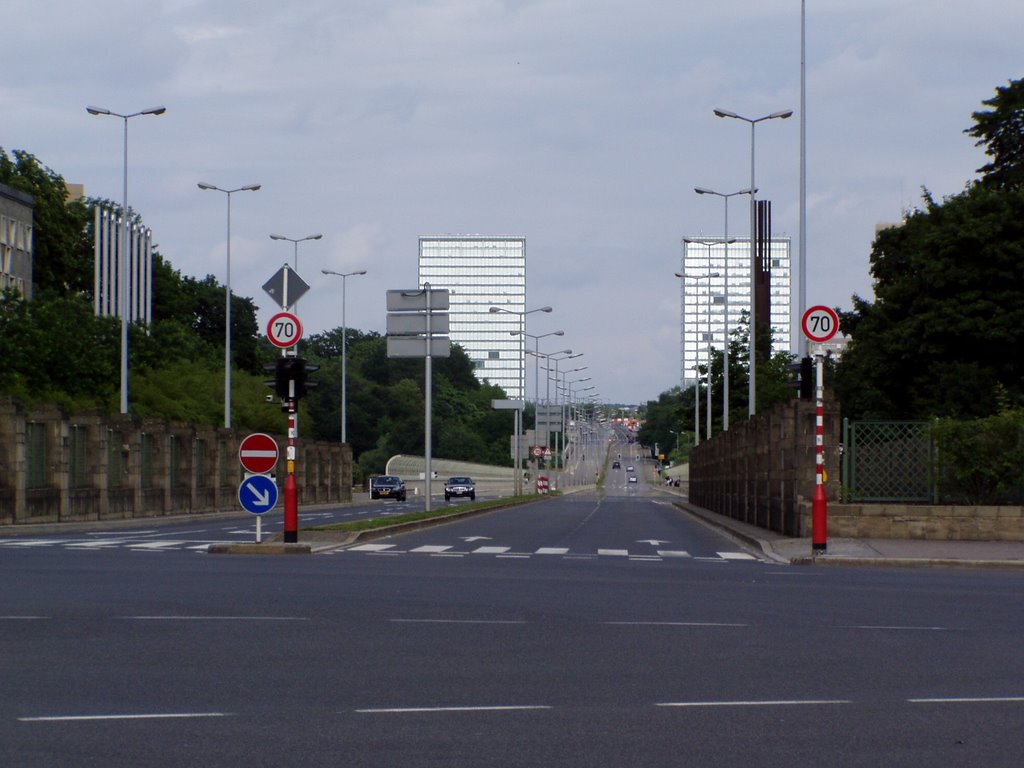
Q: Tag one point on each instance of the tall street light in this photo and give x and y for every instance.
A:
(522, 383)
(696, 386)
(725, 348)
(344, 347)
(753, 239)
(296, 241)
(227, 297)
(123, 247)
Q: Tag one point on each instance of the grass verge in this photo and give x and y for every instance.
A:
(415, 517)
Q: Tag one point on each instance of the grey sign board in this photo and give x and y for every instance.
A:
(416, 299)
(285, 287)
(508, 405)
(413, 323)
(416, 346)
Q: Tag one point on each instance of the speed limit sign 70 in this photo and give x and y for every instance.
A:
(284, 330)
(820, 323)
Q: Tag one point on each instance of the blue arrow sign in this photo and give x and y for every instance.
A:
(257, 494)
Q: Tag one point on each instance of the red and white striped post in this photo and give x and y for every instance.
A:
(291, 491)
(819, 505)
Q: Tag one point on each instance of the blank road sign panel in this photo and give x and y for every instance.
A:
(416, 299)
(416, 346)
(411, 323)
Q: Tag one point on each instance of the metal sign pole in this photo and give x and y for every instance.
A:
(426, 419)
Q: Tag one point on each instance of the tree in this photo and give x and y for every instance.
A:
(1001, 131)
(944, 334)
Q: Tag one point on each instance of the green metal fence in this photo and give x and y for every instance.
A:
(887, 461)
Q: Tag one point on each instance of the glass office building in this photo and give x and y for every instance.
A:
(709, 306)
(483, 271)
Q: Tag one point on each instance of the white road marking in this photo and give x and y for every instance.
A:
(457, 621)
(735, 556)
(432, 548)
(215, 618)
(903, 629)
(673, 553)
(491, 550)
(779, 703)
(671, 624)
(97, 544)
(615, 552)
(552, 551)
(157, 545)
(970, 700)
(371, 547)
(420, 710)
(152, 716)
(33, 542)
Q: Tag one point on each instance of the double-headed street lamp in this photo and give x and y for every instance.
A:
(227, 297)
(696, 392)
(782, 115)
(725, 348)
(344, 346)
(522, 384)
(296, 241)
(124, 246)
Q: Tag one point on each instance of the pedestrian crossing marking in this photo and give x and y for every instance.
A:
(491, 550)
(432, 548)
(614, 552)
(735, 556)
(553, 551)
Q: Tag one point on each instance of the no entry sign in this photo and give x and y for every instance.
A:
(258, 453)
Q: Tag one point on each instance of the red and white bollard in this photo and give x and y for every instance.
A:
(819, 504)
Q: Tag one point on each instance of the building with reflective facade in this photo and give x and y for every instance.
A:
(711, 305)
(483, 271)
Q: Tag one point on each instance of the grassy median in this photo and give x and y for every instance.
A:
(449, 510)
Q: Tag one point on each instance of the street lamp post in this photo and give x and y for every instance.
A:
(696, 393)
(782, 115)
(296, 241)
(725, 331)
(123, 247)
(522, 383)
(344, 348)
(227, 297)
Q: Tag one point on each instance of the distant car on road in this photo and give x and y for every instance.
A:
(387, 487)
(632, 478)
(459, 486)
(616, 465)
(629, 468)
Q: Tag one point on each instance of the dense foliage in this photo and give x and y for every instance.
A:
(944, 334)
(55, 349)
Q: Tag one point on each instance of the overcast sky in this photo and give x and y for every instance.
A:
(581, 124)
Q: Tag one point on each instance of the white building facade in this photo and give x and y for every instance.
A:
(715, 291)
(483, 271)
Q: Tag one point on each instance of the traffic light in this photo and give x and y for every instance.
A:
(803, 381)
(287, 370)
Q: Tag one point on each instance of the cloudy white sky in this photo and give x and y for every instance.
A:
(582, 124)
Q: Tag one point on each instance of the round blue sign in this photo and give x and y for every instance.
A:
(258, 494)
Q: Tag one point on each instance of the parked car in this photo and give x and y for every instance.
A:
(387, 487)
(459, 486)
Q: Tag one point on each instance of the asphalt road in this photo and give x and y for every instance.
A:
(582, 631)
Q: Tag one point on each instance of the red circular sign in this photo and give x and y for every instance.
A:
(284, 330)
(820, 323)
(258, 453)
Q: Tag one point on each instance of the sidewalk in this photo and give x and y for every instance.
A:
(894, 553)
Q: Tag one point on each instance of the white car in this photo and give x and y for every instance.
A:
(632, 478)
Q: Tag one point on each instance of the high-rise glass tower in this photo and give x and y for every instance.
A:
(483, 271)
(707, 307)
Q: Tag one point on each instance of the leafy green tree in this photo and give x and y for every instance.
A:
(62, 260)
(943, 334)
(1001, 131)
